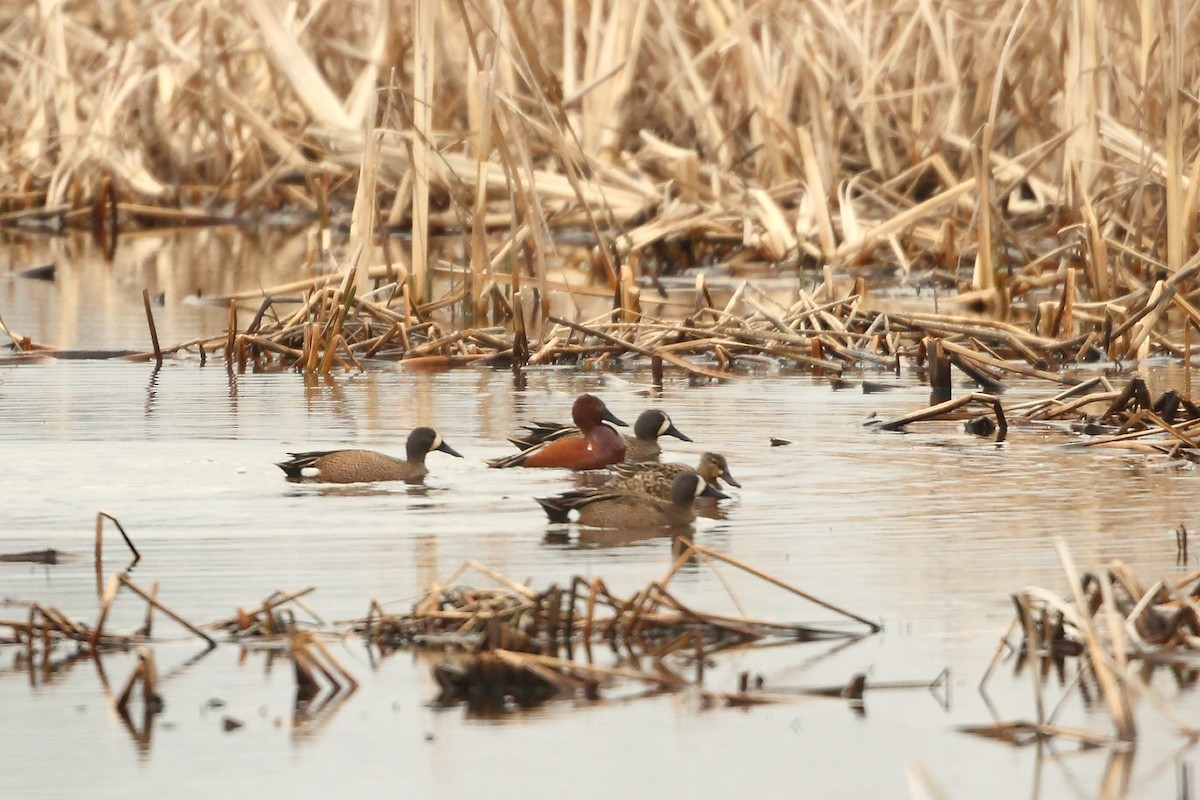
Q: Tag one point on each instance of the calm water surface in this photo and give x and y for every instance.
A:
(928, 532)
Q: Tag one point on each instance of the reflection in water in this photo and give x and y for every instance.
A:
(931, 538)
(142, 731)
(414, 487)
(313, 711)
(325, 392)
(45, 665)
(711, 508)
(151, 390)
(587, 537)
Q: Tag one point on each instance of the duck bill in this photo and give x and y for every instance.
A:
(678, 434)
(445, 448)
(712, 491)
(725, 476)
(611, 417)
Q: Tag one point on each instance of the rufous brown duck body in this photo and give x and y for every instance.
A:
(641, 446)
(598, 446)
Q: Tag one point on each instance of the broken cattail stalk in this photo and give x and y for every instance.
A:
(939, 370)
(106, 601)
(691, 548)
(100, 517)
(161, 607)
(158, 360)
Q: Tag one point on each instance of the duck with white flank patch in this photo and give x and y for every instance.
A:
(358, 466)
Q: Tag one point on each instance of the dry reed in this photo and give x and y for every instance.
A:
(1110, 621)
(519, 643)
(914, 134)
(527, 646)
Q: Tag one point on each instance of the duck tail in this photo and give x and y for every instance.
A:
(555, 509)
(515, 460)
(294, 467)
(290, 468)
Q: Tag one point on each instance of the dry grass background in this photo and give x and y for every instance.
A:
(910, 132)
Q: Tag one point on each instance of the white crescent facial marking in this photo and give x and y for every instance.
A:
(701, 485)
(309, 472)
(437, 442)
(666, 423)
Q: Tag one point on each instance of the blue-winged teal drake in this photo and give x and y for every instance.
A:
(641, 446)
(594, 447)
(601, 508)
(355, 466)
(655, 479)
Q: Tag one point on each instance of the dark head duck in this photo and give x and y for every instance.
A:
(354, 466)
(602, 508)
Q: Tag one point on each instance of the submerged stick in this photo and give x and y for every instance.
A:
(941, 409)
(158, 360)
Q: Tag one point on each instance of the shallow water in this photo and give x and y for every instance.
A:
(927, 532)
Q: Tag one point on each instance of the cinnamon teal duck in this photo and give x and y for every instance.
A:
(355, 466)
(641, 446)
(655, 479)
(603, 508)
(595, 445)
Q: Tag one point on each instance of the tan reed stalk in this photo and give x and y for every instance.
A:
(485, 97)
(424, 68)
(362, 217)
(128, 584)
(291, 60)
(106, 601)
(818, 194)
(1082, 97)
(1171, 53)
(1115, 695)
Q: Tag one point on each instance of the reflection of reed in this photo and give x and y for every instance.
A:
(527, 646)
(1109, 620)
(314, 707)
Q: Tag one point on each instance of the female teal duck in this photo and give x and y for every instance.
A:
(604, 508)
(655, 479)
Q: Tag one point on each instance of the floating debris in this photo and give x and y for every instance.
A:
(1110, 621)
(948, 410)
(505, 644)
(1128, 418)
(524, 646)
(47, 556)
